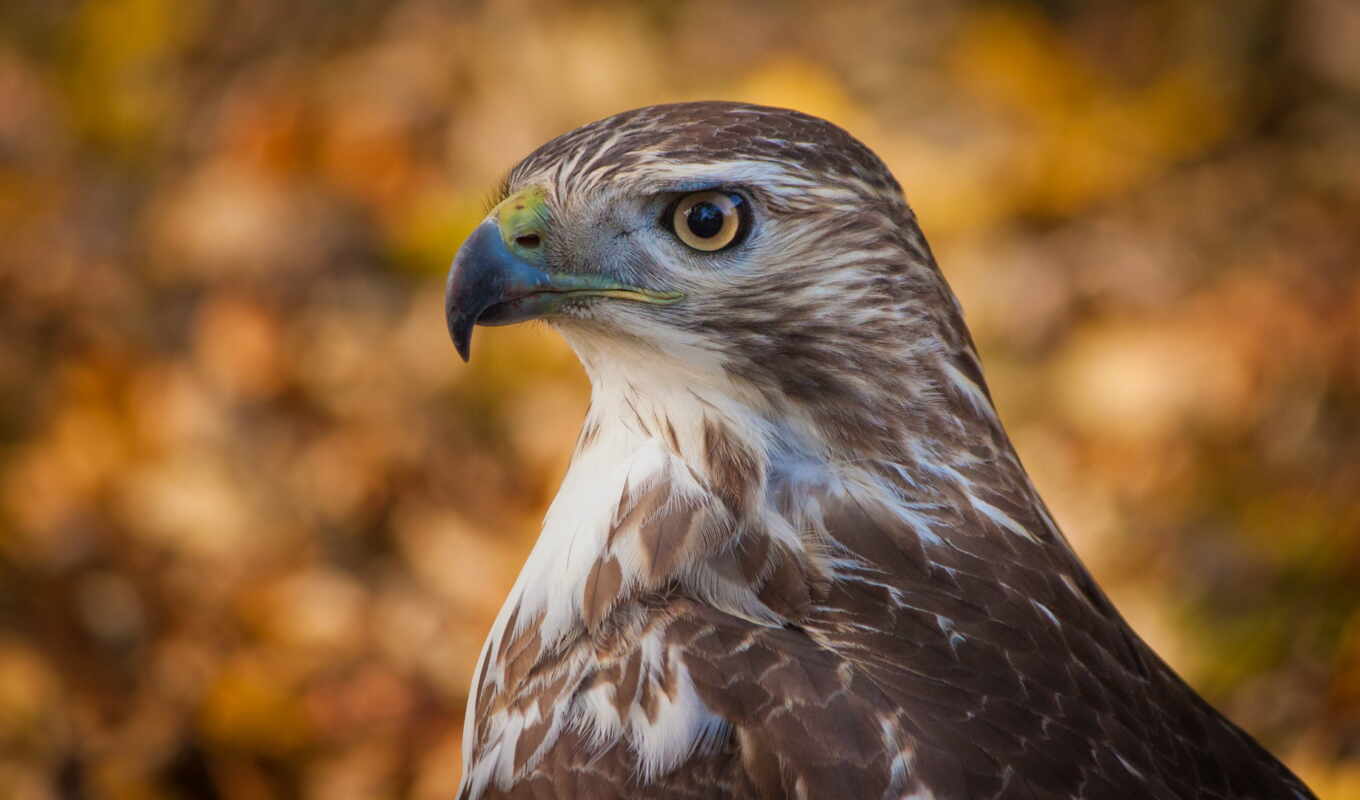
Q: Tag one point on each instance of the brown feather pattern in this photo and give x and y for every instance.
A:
(863, 590)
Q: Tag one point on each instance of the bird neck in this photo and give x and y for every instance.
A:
(662, 444)
(684, 474)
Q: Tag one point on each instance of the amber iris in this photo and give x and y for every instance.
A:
(708, 221)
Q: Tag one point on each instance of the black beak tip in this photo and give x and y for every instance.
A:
(460, 319)
(460, 330)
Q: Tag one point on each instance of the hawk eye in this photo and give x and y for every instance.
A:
(709, 221)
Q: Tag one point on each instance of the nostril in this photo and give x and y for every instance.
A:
(529, 240)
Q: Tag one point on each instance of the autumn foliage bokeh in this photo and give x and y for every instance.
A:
(255, 518)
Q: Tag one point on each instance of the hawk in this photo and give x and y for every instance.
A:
(795, 554)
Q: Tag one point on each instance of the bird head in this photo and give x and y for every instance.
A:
(758, 244)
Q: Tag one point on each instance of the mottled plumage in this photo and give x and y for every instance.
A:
(796, 554)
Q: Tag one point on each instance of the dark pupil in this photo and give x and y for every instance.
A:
(704, 220)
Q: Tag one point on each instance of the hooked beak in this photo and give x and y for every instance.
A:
(498, 277)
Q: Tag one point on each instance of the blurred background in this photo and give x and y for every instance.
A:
(255, 518)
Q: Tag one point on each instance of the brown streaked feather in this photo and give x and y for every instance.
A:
(732, 468)
(633, 510)
(666, 536)
(602, 591)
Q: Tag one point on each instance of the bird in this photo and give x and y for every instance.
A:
(795, 554)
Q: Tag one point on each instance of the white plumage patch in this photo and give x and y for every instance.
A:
(682, 726)
(625, 458)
